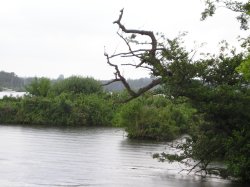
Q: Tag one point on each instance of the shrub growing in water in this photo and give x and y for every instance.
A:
(156, 118)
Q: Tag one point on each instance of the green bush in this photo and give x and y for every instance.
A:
(39, 87)
(62, 110)
(8, 109)
(156, 118)
(76, 85)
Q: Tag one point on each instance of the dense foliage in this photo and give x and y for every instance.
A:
(62, 110)
(77, 85)
(216, 88)
(75, 101)
(221, 95)
(244, 68)
(39, 87)
(156, 117)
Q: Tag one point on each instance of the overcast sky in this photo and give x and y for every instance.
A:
(53, 37)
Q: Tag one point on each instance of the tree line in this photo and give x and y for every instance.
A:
(9, 80)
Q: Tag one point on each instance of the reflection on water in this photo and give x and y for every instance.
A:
(35, 157)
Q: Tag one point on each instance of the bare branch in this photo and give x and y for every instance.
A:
(130, 53)
(148, 56)
(120, 77)
(140, 32)
(196, 165)
(140, 43)
(154, 83)
(110, 82)
(129, 47)
(144, 89)
(136, 66)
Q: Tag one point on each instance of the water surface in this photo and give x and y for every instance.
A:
(40, 157)
(12, 94)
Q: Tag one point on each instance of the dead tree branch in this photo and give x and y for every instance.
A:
(140, 32)
(148, 58)
(145, 67)
(119, 77)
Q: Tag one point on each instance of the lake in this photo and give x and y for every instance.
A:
(41, 157)
(11, 93)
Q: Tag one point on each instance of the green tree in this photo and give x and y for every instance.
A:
(216, 90)
(77, 85)
(244, 68)
(242, 8)
(39, 87)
